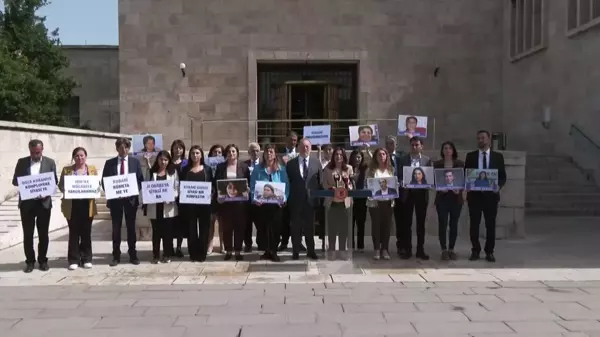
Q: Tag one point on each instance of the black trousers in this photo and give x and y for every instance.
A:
(486, 203)
(359, 218)
(381, 225)
(118, 208)
(285, 225)
(252, 218)
(302, 216)
(270, 224)
(448, 211)
(233, 217)
(415, 201)
(35, 215)
(399, 219)
(198, 219)
(320, 214)
(162, 230)
(80, 232)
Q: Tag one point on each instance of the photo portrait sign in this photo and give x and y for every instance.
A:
(412, 126)
(146, 144)
(383, 188)
(449, 179)
(195, 192)
(364, 135)
(82, 187)
(318, 134)
(232, 190)
(121, 186)
(267, 192)
(36, 186)
(482, 180)
(212, 162)
(418, 177)
(158, 191)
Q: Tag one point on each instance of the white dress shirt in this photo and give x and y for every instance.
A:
(487, 158)
(119, 159)
(35, 167)
(301, 163)
(415, 161)
(253, 163)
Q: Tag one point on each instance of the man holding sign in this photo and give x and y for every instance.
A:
(35, 212)
(123, 165)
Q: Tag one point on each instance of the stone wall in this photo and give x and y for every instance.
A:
(96, 71)
(397, 45)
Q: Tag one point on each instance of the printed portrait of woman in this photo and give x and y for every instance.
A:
(149, 145)
(418, 177)
(232, 190)
(482, 180)
(268, 192)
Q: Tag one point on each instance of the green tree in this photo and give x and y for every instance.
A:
(33, 85)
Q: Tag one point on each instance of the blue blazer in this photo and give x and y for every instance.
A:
(260, 174)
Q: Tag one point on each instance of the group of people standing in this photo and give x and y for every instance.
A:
(341, 219)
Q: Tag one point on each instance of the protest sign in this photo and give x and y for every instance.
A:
(447, 179)
(318, 134)
(82, 187)
(482, 180)
(36, 186)
(267, 192)
(232, 190)
(156, 192)
(383, 188)
(212, 162)
(121, 186)
(195, 192)
(363, 135)
(418, 177)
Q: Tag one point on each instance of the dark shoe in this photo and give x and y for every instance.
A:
(474, 257)
(248, 249)
(490, 258)
(135, 261)
(29, 268)
(266, 256)
(275, 258)
(312, 256)
(154, 261)
(282, 247)
(406, 256)
(179, 253)
(445, 255)
(422, 256)
(452, 255)
(401, 252)
(295, 256)
(228, 256)
(239, 257)
(44, 266)
(302, 248)
(114, 263)
(166, 260)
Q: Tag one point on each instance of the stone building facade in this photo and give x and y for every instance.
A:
(452, 60)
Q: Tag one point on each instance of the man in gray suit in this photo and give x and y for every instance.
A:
(35, 212)
(417, 200)
(304, 175)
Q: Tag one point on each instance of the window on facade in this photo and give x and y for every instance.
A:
(582, 14)
(526, 27)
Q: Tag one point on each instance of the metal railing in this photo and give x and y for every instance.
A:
(587, 152)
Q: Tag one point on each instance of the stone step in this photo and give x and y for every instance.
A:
(559, 184)
(579, 204)
(561, 197)
(563, 211)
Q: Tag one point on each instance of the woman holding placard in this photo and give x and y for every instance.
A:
(198, 216)
(79, 213)
(269, 214)
(163, 214)
(448, 203)
(180, 224)
(380, 210)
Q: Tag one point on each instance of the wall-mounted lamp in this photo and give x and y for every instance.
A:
(547, 117)
(182, 67)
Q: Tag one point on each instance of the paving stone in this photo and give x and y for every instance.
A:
(303, 300)
(56, 304)
(421, 298)
(92, 312)
(581, 326)
(405, 277)
(450, 307)
(346, 318)
(131, 322)
(109, 303)
(247, 319)
(293, 330)
(382, 307)
(181, 302)
(356, 299)
(138, 295)
(301, 308)
(425, 317)
(171, 311)
(469, 275)
(461, 327)
(364, 329)
(469, 298)
(511, 314)
(340, 278)
(18, 313)
(189, 280)
(6, 324)
(34, 325)
(536, 327)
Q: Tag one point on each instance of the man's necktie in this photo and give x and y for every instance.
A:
(304, 169)
(484, 160)
(122, 169)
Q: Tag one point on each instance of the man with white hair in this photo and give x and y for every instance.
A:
(253, 152)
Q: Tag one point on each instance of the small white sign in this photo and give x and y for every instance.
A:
(156, 192)
(36, 186)
(121, 186)
(195, 192)
(318, 134)
(82, 187)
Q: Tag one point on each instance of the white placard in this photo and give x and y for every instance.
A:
(82, 187)
(156, 192)
(36, 186)
(195, 192)
(121, 186)
(318, 134)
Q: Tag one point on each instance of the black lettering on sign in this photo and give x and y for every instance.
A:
(118, 192)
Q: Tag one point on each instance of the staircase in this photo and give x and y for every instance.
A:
(555, 186)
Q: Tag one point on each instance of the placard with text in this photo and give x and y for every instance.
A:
(449, 179)
(121, 186)
(317, 134)
(82, 187)
(415, 177)
(158, 191)
(195, 192)
(37, 186)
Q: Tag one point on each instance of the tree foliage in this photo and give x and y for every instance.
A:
(33, 85)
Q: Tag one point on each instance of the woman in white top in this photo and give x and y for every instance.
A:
(163, 214)
(381, 211)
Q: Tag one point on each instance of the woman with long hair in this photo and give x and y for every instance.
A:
(448, 204)
(216, 150)
(179, 223)
(418, 177)
(79, 213)
(359, 205)
(232, 214)
(162, 214)
(338, 212)
(197, 217)
(269, 215)
(381, 211)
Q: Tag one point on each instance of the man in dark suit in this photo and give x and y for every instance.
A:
(395, 157)
(253, 151)
(484, 202)
(413, 200)
(121, 165)
(304, 174)
(35, 212)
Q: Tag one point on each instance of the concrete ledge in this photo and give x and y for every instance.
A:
(4, 125)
